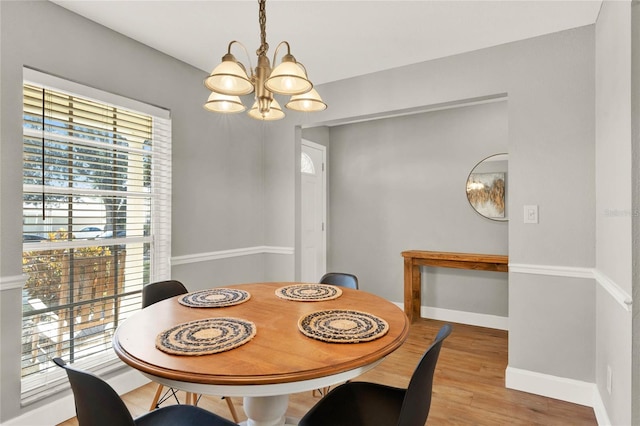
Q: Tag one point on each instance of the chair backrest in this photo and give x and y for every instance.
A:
(97, 404)
(417, 399)
(340, 279)
(161, 290)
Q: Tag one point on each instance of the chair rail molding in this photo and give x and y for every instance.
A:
(618, 293)
(12, 282)
(224, 254)
(552, 270)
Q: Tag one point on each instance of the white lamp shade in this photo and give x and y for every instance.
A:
(307, 102)
(288, 78)
(224, 103)
(275, 112)
(229, 78)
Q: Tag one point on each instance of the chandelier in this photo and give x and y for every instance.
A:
(229, 80)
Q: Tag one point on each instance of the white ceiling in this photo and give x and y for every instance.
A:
(334, 39)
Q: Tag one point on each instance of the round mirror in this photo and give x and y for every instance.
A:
(487, 187)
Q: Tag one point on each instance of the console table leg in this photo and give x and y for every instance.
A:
(412, 286)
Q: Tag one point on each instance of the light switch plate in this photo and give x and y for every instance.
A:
(531, 214)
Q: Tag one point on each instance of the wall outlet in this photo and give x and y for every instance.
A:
(531, 214)
(609, 379)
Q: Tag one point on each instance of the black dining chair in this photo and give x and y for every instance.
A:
(154, 293)
(364, 404)
(161, 290)
(340, 279)
(97, 404)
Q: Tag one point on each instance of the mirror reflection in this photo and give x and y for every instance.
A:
(487, 187)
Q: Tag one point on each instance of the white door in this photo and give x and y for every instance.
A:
(313, 211)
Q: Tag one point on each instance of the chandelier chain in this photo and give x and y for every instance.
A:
(262, 19)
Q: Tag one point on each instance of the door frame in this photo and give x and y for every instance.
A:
(323, 213)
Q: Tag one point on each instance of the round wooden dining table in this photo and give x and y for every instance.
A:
(279, 360)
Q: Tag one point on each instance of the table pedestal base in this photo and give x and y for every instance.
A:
(267, 410)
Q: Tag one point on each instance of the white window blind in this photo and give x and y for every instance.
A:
(96, 225)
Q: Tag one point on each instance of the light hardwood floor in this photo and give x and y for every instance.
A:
(468, 386)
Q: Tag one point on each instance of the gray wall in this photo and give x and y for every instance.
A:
(279, 208)
(399, 184)
(549, 82)
(218, 181)
(614, 206)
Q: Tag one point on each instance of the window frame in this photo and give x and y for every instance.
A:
(39, 386)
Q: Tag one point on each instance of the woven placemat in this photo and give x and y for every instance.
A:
(342, 326)
(215, 298)
(206, 336)
(309, 292)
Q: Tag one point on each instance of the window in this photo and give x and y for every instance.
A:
(306, 164)
(96, 227)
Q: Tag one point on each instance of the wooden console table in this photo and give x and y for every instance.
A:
(414, 259)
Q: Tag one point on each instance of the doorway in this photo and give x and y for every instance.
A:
(313, 196)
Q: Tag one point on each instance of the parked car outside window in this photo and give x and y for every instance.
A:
(88, 232)
(32, 237)
(109, 234)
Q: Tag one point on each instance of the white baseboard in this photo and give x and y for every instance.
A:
(600, 410)
(462, 317)
(574, 391)
(64, 408)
